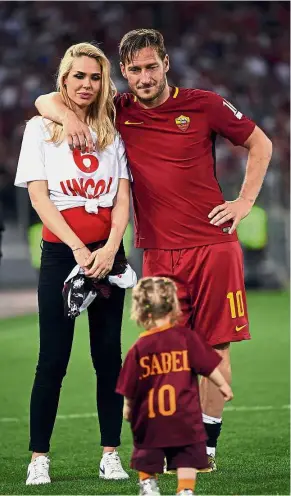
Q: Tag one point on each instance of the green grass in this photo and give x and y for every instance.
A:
(253, 453)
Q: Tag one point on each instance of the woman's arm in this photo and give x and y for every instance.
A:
(54, 221)
(104, 257)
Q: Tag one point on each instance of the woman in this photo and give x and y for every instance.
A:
(83, 202)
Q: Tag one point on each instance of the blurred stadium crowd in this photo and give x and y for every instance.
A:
(238, 49)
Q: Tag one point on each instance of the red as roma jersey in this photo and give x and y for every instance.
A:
(159, 375)
(171, 154)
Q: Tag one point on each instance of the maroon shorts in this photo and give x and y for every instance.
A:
(210, 282)
(151, 460)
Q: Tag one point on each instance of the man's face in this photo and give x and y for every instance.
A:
(146, 74)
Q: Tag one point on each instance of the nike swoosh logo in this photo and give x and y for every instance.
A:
(239, 328)
(133, 123)
(102, 470)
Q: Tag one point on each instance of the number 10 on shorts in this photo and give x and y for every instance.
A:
(236, 304)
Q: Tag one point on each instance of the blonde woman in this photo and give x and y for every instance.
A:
(83, 202)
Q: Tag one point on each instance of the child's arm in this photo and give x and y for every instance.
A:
(217, 378)
(204, 360)
(127, 409)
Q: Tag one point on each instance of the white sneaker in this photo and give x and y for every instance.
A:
(185, 492)
(38, 471)
(149, 486)
(111, 468)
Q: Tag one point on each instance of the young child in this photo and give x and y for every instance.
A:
(160, 385)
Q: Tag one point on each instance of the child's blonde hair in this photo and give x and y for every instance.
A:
(154, 298)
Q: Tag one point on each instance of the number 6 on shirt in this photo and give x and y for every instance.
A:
(161, 401)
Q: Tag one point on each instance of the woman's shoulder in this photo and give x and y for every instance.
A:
(40, 125)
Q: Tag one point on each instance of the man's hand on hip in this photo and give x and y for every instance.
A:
(230, 210)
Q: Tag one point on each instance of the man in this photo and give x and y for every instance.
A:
(186, 228)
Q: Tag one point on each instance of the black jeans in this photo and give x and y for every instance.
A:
(56, 337)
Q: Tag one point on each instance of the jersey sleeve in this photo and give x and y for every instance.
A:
(225, 120)
(202, 358)
(123, 169)
(31, 163)
(129, 375)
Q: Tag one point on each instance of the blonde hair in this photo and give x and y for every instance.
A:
(101, 112)
(154, 298)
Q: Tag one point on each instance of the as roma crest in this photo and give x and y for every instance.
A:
(183, 122)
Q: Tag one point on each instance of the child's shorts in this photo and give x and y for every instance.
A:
(151, 460)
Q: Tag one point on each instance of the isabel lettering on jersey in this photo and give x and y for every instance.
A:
(163, 363)
(183, 122)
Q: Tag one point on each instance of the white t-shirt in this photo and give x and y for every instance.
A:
(74, 178)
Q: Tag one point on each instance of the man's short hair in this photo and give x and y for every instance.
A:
(136, 40)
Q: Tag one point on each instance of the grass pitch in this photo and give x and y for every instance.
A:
(253, 456)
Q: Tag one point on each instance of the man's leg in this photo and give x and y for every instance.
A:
(220, 317)
(166, 263)
(212, 402)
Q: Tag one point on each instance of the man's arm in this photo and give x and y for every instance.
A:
(259, 156)
(76, 132)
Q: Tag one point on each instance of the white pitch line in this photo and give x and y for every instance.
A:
(73, 416)
(9, 419)
(254, 408)
(76, 416)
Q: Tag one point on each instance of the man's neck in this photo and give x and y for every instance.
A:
(158, 101)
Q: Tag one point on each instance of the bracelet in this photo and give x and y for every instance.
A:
(75, 249)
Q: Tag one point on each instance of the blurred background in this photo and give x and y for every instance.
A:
(237, 49)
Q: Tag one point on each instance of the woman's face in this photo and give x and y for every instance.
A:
(84, 81)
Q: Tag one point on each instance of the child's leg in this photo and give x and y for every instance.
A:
(144, 475)
(148, 462)
(186, 479)
(148, 484)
